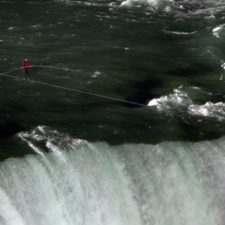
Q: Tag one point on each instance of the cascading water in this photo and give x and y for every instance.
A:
(77, 182)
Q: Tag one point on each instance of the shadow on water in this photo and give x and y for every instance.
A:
(9, 129)
(194, 70)
(9, 143)
(145, 91)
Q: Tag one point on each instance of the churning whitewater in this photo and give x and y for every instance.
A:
(72, 181)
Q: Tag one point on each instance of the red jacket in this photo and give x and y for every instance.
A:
(26, 64)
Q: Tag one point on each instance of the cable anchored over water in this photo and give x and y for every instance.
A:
(73, 89)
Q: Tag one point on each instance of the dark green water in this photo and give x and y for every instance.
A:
(69, 158)
(131, 53)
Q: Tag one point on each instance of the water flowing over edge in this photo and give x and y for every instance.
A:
(73, 181)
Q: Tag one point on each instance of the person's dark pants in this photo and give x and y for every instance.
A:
(26, 74)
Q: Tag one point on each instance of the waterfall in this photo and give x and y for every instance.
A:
(72, 181)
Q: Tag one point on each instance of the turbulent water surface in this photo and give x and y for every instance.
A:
(124, 121)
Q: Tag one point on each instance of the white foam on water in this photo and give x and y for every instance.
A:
(11, 28)
(209, 109)
(179, 100)
(182, 8)
(130, 3)
(201, 90)
(96, 74)
(50, 138)
(23, 137)
(217, 30)
(86, 3)
(98, 184)
(180, 33)
(36, 26)
(172, 101)
(223, 65)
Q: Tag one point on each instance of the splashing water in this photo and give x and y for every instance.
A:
(173, 183)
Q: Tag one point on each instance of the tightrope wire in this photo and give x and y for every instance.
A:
(5, 74)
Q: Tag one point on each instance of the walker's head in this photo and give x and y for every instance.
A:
(26, 59)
